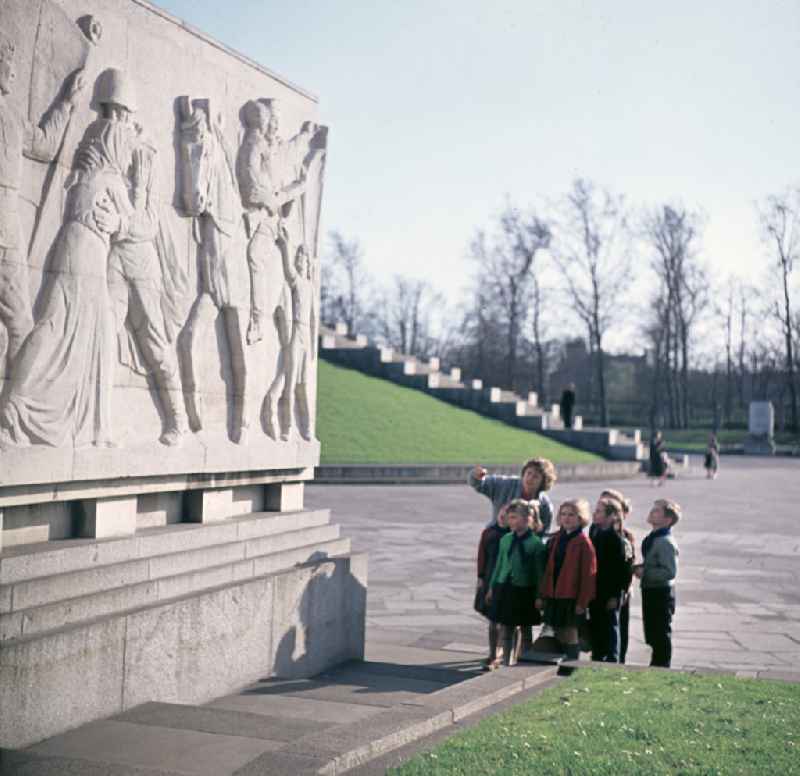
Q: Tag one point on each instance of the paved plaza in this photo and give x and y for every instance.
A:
(738, 584)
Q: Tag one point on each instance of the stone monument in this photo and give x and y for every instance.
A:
(159, 279)
(760, 429)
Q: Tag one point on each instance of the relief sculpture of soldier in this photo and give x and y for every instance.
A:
(61, 387)
(210, 194)
(145, 281)
(271, 177)
(19, 137)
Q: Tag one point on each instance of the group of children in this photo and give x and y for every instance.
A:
(574, 581)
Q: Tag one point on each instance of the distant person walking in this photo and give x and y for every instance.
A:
(711, 462)
(658, 459)
(567, 404)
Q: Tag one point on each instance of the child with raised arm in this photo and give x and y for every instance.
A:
(514, 586)
(538, 476)
(487, 560)
(569, 578)
(657, 574)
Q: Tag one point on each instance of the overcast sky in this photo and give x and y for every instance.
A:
(440, 108)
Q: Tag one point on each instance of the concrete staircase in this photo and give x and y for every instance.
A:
(240, 597)
(329, 724)
(523, 412)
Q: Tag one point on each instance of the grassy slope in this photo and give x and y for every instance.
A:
(608, 723)
(363, 419)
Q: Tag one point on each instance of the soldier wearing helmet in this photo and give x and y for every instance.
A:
(144, 278)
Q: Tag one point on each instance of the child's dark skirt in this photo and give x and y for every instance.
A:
(512, 605)
(560, 612)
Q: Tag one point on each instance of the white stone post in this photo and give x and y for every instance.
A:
(103, 518)
(284, 497)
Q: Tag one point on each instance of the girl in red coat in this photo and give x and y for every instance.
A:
(569, 577)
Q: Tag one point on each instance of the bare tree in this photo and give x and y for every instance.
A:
(405, 315)
(348, 281)
(673, 234)
(780, 220)
(506, 263)
(592, 252)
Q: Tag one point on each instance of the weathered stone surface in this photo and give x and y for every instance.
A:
(60, 681)
(223, 636)
(184, 751)
(169, 314)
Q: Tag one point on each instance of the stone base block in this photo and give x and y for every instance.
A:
(284, 497)
(104, 518)
(758, 444)
(295, 623)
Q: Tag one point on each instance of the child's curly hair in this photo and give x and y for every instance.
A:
(545, 468)
(613, 507)
(528, 509)
(581, 507)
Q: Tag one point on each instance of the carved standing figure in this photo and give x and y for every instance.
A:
(20, 137)
(145, 280)
(210, 194)
(272, 174)
(291, 382)
(60, 389)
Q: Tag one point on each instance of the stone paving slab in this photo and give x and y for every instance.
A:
(185, 751)
(353, 671)
(389, 692)
(220, 721)
(290, 707)
(26, 764)
(739, 577)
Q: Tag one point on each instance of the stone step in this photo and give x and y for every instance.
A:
(44, 590)
(29, 561)
(39, 620)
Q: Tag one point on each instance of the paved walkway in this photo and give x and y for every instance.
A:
(738, 586)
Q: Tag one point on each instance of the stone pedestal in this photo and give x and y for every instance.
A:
(284, 497)
(103, 518)
(761, 428)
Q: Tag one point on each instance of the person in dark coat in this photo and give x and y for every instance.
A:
(567, 404)
(613, 578)
(658, 463)
(630, 550)
(487, 559)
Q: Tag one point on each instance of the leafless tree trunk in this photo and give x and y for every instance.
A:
(780, 219)
(673, 233)
(506, 262)
(348, 262)
(593, 256)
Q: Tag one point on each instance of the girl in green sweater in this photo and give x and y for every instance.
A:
(514, 586)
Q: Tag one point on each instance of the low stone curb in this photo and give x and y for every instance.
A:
(792, 677)
(456, 474)
(341, 748)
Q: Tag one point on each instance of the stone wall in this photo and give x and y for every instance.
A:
(159, 277)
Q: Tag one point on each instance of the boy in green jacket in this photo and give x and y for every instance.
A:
(514, 586)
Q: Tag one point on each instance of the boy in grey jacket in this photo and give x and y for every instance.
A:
(657, 574)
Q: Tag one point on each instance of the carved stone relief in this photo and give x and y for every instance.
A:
(100, 301)
(211, 196)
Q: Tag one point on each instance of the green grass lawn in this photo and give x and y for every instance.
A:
(362, 419)
(613, 723)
